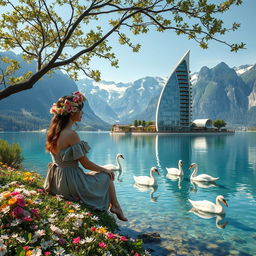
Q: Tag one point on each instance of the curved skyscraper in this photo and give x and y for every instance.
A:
(174, 106)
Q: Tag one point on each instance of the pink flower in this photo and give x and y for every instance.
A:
(25, 248)
(136, 254)
(35, 213)
(14, 193)
(20, 200)
(110, 236)
(17, 212)
(123, 238)
(76, 240)
(40, 190)
(47, 253)
(102, 245)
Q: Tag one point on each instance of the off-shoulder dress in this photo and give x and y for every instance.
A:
(66, 178)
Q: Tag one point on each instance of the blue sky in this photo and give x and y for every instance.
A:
(161, 51)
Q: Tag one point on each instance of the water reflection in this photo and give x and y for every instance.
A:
(151, 190)
(175, 178)
(200, 184)
(219, 222)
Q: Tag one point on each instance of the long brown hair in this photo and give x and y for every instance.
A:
(57, 124)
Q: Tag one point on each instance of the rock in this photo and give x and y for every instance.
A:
(150, 237)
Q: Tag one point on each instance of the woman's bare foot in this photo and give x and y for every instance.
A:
(119, 213)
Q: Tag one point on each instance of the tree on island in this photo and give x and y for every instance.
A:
(135, 123)
(64, 34)
(219, 123)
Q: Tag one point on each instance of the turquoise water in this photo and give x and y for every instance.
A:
(166, 209)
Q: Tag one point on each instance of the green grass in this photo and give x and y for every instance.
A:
(33, 222)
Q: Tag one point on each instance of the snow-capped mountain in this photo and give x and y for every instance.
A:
(242, 69)
(120, 102)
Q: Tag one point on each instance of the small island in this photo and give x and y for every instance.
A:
(148, 127)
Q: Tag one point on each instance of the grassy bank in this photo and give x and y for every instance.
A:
(34, 223)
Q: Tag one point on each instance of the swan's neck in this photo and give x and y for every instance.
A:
(194, 172)
(151, 174)
(118, 163)
(219, 206)
(180, 169)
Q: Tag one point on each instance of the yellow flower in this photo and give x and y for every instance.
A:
(101, 230)
(29, 201)
(1, 163)
(28, 253)
(71, 211)
(12, 201)
(27, 173)
(6, 194)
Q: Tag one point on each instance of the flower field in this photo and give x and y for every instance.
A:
(34, 223)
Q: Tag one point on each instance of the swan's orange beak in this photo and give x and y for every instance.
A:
(191, 166)
(225, 202)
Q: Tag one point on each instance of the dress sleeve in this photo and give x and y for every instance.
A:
(75, 151)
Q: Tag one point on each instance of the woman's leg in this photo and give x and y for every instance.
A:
(114, 204)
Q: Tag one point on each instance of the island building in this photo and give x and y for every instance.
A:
(174, 108)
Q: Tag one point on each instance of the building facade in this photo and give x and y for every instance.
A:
(174, 108)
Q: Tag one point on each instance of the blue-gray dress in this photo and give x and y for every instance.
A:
(66, 178)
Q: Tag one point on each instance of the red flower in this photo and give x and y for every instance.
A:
(110, 236)
(123, 238)
(102, 245)
(93, 229)
(76, 240)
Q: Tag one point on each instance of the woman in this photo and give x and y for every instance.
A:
(65, 177)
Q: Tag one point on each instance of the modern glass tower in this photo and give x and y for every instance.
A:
(174, 106)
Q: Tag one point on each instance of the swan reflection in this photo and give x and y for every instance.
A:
(152, 190)
(205, 215)
(174, 178)
(201, 184)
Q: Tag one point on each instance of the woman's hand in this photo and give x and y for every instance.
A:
(110, 173)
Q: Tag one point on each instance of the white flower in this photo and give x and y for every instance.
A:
(46, 244)
(15, 235)
(95, 218)
(108, 253)
(21, 239)
(52, 220)
(55, 238)
(56, 230)
(39, 233)
(3, 249)
(4, 237)
(5, 209)
(16, 222)
(36, 252)
(89, 239)
(38, 201)
(76, 206)
(59, 252)
(78, 223)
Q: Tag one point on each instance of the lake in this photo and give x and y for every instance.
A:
(166, 209)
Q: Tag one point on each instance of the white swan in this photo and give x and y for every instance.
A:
(147, 180)
(176, 171)
(113, 167)
(201, 177)
(207, 206)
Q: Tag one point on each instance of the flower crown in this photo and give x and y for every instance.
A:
(68, 105)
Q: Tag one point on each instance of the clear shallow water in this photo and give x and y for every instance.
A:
(166, 210)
